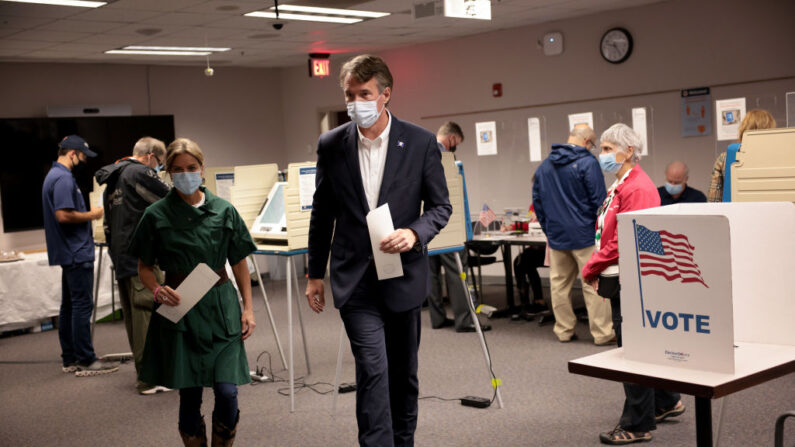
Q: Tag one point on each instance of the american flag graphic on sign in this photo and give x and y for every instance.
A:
(668, 255)
(487, 216)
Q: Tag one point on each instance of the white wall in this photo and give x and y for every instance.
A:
(243, 116)
(678, 44)
(235, 116)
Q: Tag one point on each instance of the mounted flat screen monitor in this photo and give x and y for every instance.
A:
(30, 145)
(271, 223)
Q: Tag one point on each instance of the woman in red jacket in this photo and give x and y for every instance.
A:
(633, 190)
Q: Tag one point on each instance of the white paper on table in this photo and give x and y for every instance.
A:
(192, 289)
(487, 137)
(581, 118)
(639, 125)
(534, 136)
(379, 222)
(728, 115)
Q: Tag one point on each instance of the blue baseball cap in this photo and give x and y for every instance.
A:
(78, 143)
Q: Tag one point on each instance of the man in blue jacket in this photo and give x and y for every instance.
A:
(567, 192)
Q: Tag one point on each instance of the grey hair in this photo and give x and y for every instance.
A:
(149, 145)
(623, 137)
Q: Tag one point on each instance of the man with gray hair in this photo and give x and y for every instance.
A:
(567, 193)
(132, 185)
(675, 189)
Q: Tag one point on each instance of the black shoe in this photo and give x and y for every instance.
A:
(485, 327)
(448, 322)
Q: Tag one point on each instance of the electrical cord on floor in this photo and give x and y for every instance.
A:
(299, 382)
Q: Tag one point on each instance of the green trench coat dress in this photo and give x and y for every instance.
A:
(204, 347)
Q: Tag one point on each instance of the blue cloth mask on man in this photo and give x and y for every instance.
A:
(674, 189)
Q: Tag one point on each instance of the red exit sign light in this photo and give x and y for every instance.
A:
(319, 68)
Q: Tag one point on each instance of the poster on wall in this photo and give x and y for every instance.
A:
(487, 137)
(639, 125)
(696, 112)
(728, 115)
(534, 136)
(581, 118)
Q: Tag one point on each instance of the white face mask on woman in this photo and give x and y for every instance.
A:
(364, 113)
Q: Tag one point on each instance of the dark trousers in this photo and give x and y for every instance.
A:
(384, 346)
(525, 268)
(190, 405)
(640, 401)
(458, 296)
(74, 320)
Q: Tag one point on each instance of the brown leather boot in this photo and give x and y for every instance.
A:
(196, 440)
(224, 436)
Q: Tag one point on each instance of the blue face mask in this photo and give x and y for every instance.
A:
(674, 189)
(158, 168)
(608, 163)
(187, 182)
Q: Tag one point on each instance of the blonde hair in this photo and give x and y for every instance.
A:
(183, 146)
(757, 119)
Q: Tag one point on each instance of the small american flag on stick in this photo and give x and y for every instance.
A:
(487, 216)
(668, 255)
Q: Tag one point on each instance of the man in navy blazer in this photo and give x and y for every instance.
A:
(373, 160)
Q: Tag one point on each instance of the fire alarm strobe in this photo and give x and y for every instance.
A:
(552, 44)
(496, 90)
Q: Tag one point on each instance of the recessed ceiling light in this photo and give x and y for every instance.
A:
(337, 11)
(306, 17)
(141, 47)
(80, 3)
(160, 53)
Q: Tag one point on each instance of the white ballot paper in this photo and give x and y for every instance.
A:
(192, 289)
(379, 222)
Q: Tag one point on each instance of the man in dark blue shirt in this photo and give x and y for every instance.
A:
(67, 229)
(676, 189)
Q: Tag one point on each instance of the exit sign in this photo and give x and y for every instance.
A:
(318, 67)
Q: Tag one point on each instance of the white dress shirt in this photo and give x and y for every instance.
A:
(372, 159)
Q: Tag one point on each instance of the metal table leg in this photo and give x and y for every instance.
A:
(703, 422)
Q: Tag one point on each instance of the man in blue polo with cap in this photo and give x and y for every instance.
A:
(67, 228)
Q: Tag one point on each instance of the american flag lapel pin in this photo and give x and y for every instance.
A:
(401, 145)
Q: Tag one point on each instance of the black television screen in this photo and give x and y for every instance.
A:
(30, 145)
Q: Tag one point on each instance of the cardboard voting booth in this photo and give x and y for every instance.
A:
(219, 179)
(454, 234)
(95, 198)
(765, 167)
(298, 200)
(251, 186)
(696, 278)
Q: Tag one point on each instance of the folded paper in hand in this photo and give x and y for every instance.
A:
(192, 289)
(379, 222)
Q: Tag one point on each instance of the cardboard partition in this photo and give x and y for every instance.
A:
(252, 184)
(765, 167)
(454, 234)
(298, 203)
(696, 278)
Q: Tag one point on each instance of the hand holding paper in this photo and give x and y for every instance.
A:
(379, 222)
(192, 289)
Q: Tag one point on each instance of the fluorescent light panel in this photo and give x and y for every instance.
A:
(141, 47)
(80, 3)
(305, 17)
(337, 11)
(160, 53)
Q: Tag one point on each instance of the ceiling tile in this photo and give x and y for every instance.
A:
(9, 44)
(40, 11)
(183, 18)
(116, 15)
(22, 22)
(50, 36)
(83, 26)
(154, 5)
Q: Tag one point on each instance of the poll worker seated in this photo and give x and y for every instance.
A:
(675, 189)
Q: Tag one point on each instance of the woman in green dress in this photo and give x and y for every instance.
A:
(205, 348)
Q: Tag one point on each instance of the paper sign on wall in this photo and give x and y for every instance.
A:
(696, 112)
(639, 125)
(728, 115)
(487, 137)
(534, 136)
(581, 118)
(676, 296)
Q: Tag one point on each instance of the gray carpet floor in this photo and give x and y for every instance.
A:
(544, 405)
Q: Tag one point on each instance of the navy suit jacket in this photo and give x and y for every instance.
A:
(413, 179)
